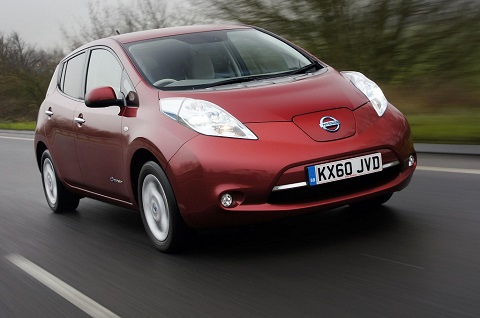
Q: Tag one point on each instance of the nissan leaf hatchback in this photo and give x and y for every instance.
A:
(210, 126)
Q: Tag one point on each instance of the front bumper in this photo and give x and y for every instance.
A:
(266, 177)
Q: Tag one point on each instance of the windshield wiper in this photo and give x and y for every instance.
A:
(313, 66)
(303, 70)
(237, 80)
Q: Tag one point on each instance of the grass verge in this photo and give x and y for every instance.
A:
(445, 128)
(30, 125)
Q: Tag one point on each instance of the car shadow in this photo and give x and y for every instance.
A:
(97, 217)
(314, 231)
(289, 235)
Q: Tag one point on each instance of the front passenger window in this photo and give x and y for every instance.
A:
(104, 70)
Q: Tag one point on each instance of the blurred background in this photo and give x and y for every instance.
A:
(425, 54)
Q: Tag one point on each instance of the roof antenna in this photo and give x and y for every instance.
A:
(117, 32)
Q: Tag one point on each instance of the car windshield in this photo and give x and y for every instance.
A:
(207, 59)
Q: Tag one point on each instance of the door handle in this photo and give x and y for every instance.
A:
(49, 112)
(79, 120)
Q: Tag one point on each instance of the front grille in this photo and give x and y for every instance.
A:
(333, 189)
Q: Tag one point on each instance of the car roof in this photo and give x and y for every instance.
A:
(170, 31)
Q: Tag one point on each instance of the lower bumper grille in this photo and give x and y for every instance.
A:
(334, 189)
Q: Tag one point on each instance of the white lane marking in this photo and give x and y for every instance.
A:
(393, 262)
(453, 170)
(16, 138)
(86, 304)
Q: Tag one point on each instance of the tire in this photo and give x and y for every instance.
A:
(372, 203)
(58, 197)
(159, 210)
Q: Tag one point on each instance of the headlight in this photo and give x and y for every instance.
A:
(370, 89)
(204, 117)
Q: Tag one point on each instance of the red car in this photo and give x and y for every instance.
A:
(208, 126)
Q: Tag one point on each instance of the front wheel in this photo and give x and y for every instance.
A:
(58, 197)
(159, 209)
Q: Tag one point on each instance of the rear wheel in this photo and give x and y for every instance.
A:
(58, 197)
(159, 209)
(373, 202)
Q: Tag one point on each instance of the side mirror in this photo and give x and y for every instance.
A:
(102, 97)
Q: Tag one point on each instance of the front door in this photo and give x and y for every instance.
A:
(98, 131)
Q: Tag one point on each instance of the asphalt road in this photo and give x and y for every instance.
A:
(418, 256)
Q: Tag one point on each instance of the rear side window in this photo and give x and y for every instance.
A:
(71, 83)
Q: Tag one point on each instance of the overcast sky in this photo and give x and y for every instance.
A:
(39, 21)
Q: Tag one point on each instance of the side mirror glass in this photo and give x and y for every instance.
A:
(102, 97)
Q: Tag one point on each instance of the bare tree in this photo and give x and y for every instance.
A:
(24, 75)
(104, 20)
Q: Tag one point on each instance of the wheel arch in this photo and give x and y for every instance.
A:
(39, 149)
(139, 158)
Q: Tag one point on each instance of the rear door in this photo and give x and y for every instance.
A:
(60, 107)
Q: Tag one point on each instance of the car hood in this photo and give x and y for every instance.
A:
(281, 99)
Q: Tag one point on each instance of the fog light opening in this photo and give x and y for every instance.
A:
(226, 200)
(411, 161)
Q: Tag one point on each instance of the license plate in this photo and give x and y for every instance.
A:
(344, 169)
